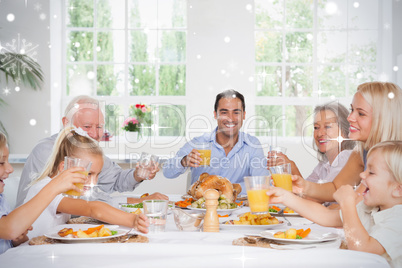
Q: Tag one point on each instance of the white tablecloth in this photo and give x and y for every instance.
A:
(190, 249)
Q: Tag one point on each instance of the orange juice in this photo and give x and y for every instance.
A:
(283, 180)
(79, 185)
(205, 157)
(258, 200)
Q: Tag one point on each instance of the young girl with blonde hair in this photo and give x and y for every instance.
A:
(374, 224)
(14, 225)
(72, 143)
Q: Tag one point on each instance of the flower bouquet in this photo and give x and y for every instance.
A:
(132, 128)
(143, 113)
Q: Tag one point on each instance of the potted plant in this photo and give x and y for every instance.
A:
(132, 128)
(142, 113)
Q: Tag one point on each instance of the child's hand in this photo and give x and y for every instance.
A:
(141, 223)
(346, 196)
(278, 195)
(65, 180)
(22, 238)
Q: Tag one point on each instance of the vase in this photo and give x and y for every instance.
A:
(132, 136)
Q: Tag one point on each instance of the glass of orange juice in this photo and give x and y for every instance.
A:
(70, 162)
(257, 187)
(282, 176)
(204, 148)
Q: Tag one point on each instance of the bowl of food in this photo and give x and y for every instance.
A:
(132, 208)
(188, 222)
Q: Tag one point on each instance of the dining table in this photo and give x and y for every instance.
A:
(175, 248)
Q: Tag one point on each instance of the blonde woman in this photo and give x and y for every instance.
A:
(375, 116)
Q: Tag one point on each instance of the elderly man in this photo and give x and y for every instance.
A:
(234, 154)
(83, 112)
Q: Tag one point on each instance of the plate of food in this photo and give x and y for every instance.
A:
(300, 236)
(86, 233)
(251, 221)
(274, 209)
(222, 212)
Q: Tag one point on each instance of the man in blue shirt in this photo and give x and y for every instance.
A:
(234, 154)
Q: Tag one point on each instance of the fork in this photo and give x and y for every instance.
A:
(280, 213)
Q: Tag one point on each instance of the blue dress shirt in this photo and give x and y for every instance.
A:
(245, 159)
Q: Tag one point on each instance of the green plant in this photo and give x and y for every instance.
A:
(131, 124)
(23, 69)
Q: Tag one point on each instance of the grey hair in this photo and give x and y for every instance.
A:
(342, 120)
(74, 105)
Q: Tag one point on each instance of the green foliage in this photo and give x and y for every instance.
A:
(170, 120)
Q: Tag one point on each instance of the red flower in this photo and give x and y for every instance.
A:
(137, 106)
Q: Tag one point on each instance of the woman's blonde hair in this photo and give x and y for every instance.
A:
(3, 143)
(385, 100)
(68, 143)
(391, 152)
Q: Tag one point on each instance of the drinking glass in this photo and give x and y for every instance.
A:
(147, 163)
(204, 148)
(156, 211)
(257, 187)
(70, 162)
(282, 176)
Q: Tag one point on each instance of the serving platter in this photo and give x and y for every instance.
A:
(220, 211)
(53, 233)
(225, 226)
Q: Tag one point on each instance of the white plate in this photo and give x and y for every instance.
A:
(52, 233)
(220, 211)
(315, 236)
(251, 227)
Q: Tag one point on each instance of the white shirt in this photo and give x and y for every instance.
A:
(49, 217)
(326, 172)
(4, 210)
(384, 226)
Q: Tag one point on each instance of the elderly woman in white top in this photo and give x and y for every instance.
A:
(330, 122)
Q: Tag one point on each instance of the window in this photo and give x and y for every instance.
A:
(126, 52)
(310, 52)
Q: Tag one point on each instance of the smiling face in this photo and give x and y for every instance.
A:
(89, 119)
(379, 182)
(5, 168)
(360, 118)
(325, 129)
(230, 116)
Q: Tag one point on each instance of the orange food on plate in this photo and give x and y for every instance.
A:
(65, 232)
(185, 203)
(144, 195)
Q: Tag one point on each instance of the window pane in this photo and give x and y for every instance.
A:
(332, 46)
(363, 14)
(172, 13)
(109, 46)
(296, 117)
(359, 74)
(80, 46)
(331, 81)
(80, 13)
(114, 118)
(142, 80)
(142, 13)
(173, 46)
(110, 80)
(273, 118)
(299, 14)
(299, 47)
(332, 14)
(269, 14)
(172, 80)
(299, 81)
(363, 46)
(172, 120)
(268, 46)
(269, 80)
(110, 13)
(142, 46)
(80, 79)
